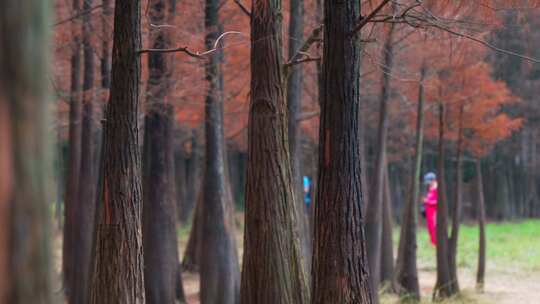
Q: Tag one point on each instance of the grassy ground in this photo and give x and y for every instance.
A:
(513, 264)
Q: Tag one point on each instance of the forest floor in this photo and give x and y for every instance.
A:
(512, 274)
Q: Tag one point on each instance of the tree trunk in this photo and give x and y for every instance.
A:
(272, 266)
(406, 282)
(84, 209)
(374, 208)
(294, 105)
(192, 253)
(117, 269)
(219, 268)
(340, 265)
(480, 273)
(456, 210)
(193, 181)
(443, 286)
(387, 246)
(160, 242)
(25, 154)
(75, 130)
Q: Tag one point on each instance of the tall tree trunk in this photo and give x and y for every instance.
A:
(75, 130)
(387, 245)
(456, 210)
(480, 273)
(25, 154)
(159, 208)
(193, 181)
(84, 209)
(340, 266)
(443, 286)
(272, 266)
(294, 104)
(117, 268)
(219, 268)
(192, 253)
(406, 282)
(375, 206)
(105, 54)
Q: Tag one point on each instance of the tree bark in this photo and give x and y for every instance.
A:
(272, 265)
(340, 266)
(406, 282)
(193, 181)
(294, 105)
(456, 210)
(480, 273)
(84, 208)
(443, 286)
(219, 268)
(72, 181)
(117, 268)
(160, 242)
(374, 209)
(387, 245)
(25, 154)
(192, 253)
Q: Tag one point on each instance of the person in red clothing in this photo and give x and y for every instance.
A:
(430, 206)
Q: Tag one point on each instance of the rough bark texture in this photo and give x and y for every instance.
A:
(387, 245)
(443, 286)
(340, 266)
(272, 264)
(480, 273)
(219, 268)
(406, 277)
(159, 208)
(75, 129)
(84, 206)
(375, 207)
(456, 207)
(294, 101)
(117, 268)
(24, 153)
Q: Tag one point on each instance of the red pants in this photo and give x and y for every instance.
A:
(431, 218)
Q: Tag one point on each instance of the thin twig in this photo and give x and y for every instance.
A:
(243, 8)
(88, 11)
(174, 50)
(364, 20)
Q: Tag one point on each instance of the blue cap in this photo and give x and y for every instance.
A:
(429, 177)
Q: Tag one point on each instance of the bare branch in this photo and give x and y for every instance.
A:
(364, 20)
(88, 11)
(313, 37)
(302, 60)
(307, 115)
(243, 8)
(174, 50)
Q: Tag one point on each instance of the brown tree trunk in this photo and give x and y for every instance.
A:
(75, 130)
(456, 210)
(374, 208)
(387, 245)
(117, 268)
(193, 181)
(272, 265)
(219, 268)
(480, 273)
(105, 54)
(340, 265)
(406, 276)
(192, 253)
(25, 154)
(294, 104)
(160, 242)
(443, 286)
(84, 208)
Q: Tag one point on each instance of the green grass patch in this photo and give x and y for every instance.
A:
(510, 246)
